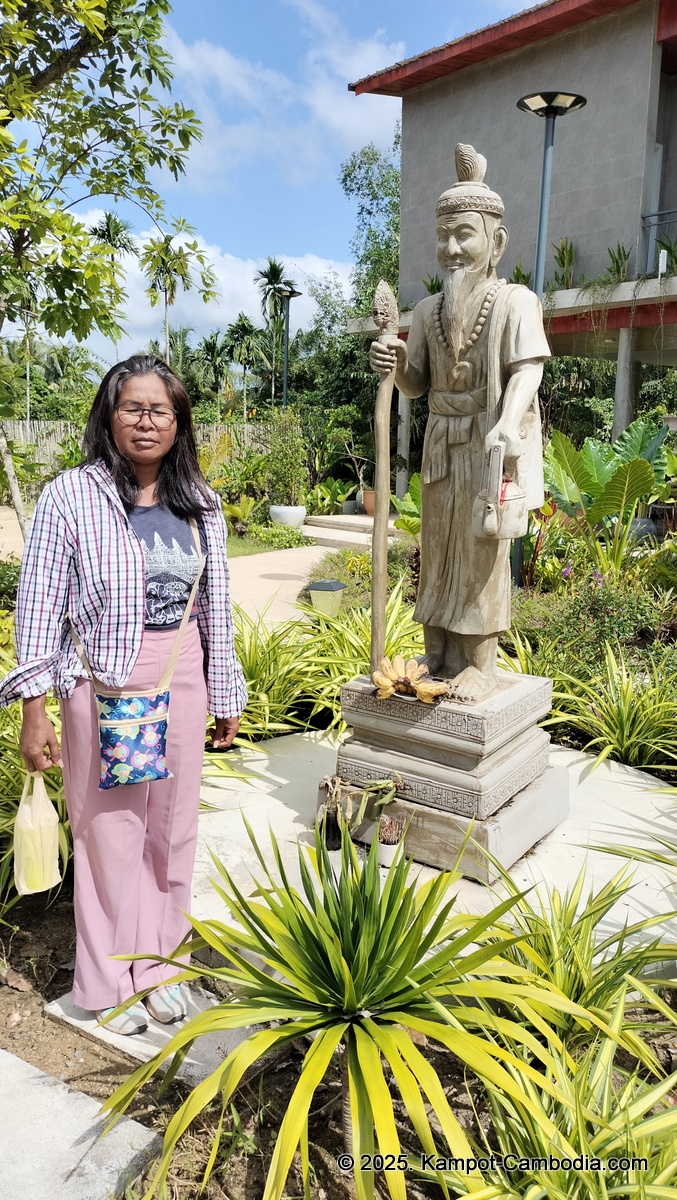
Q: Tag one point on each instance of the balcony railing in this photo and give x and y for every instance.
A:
(653, 225)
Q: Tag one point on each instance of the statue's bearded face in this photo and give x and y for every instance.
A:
(468, 247)
(463, 242)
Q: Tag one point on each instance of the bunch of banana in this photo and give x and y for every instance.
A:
(408, 678)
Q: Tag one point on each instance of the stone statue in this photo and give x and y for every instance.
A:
(478, 349)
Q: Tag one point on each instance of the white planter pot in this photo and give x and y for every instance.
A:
(288, 514)
(386, 854)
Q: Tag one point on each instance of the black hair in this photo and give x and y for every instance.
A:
(181, 486)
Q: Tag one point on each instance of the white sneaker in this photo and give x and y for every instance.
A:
(133, 1020)
(167, 1004)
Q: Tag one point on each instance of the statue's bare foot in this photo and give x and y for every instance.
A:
(433, 661)
(471, 686)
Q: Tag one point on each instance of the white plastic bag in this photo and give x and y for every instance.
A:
(36, 839)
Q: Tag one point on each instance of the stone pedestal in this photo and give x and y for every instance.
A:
(485, 765)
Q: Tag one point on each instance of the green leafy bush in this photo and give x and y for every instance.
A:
(353, 567)
(328, 497)
(278, 537)
(600, 1121)
(286, 471)
(10, 569)
(409, 508)
(362, 971)
(559, 940)
(593, 610)
(600, 487)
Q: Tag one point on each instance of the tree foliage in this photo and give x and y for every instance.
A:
(80, 117)
(372, 178)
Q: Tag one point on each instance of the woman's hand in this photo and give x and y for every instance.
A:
(37, 735)
(225, 729)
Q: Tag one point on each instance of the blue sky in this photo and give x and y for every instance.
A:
(268, 79)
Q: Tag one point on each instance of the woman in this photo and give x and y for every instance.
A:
(111, 548)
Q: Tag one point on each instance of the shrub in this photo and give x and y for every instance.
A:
(356, 968)
(593, 610)
(277, 537)
(558, 940)
(599, 1115)
(276, 672)
(10, 569)
(353, 567)
(339, 647)
(287, 475)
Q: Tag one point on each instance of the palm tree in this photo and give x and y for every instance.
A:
(243, 346)
(211, 357)
(114, 231)
(181, 352)
(166, 265)
(272, 284)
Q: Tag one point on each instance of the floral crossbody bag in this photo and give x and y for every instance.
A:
(133, 725)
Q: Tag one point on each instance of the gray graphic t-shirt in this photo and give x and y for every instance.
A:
(171, 563)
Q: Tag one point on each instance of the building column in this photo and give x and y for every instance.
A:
(403, 440)
(627, 382)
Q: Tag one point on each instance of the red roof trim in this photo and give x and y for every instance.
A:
(643, 316)
(667, 20)
(524, 29)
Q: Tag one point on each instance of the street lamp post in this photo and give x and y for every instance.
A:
(549, 105)
(288, 295)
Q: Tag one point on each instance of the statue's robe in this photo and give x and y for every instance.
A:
(465, 581)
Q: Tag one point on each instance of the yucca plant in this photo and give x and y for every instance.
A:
(605, 1120)
(356, 968)
(559, 942)
(625, 716)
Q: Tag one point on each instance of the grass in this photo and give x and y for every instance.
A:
(239, 547)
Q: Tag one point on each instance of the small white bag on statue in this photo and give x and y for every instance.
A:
(36, 839)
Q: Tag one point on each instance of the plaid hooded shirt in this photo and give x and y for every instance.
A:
(83, 559)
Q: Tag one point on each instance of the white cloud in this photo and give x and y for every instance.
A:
(251, 114)
(237, 293)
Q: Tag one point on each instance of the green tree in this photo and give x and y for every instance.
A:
(272, 284)
(114, 231)
(168, 263)
(243, 346)
(80, 118)
(372, 178)
(211, 363)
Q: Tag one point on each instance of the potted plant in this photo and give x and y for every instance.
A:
(390, 834)
(368, 497)
(287, 477)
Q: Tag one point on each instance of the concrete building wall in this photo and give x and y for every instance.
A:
(601, 153)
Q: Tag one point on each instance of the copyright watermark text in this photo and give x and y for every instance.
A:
(490, 1162)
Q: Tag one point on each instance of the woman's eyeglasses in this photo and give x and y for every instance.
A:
(131, 414)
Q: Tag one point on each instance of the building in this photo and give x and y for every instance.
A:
(615, 161)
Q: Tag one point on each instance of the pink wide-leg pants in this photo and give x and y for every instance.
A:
(134, 846)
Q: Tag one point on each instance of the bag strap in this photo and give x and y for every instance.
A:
(170, 667)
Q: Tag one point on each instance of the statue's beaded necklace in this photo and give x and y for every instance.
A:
(477, 328)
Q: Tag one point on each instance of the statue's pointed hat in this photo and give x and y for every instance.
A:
(471, 193)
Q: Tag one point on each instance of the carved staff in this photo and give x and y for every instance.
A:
(386, 317)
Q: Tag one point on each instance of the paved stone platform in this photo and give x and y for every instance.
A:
(50, 1145)
(206, 1054)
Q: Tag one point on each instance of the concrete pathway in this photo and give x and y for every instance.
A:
(271, 582)
(50, 1146)
(11, 541)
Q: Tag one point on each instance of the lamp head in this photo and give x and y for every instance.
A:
(551, 104)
